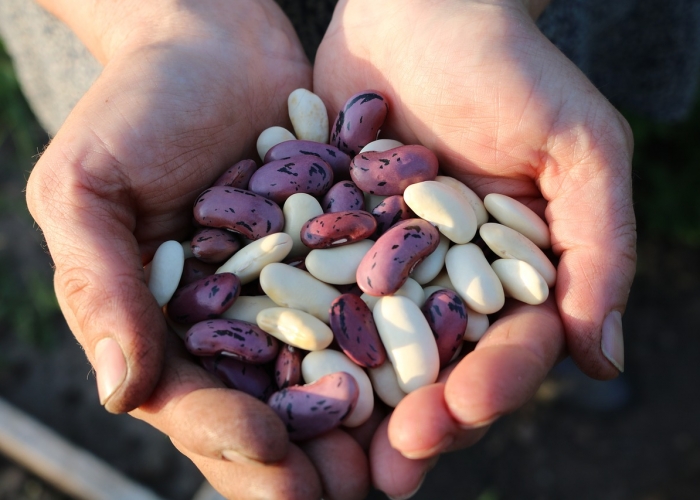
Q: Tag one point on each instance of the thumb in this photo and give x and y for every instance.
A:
(83, 205)
(593, 229)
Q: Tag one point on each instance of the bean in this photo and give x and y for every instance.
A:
(295, 327)
(512, 213)
(521, 281)
(194, 270)
(288, 366)
(343, 196)
(338, 161)
(308, 115)
(204, 299)
(340, 228)
(248, 262)
(359, 122)
(280, 179)
(446, 314)
(473, 278)
(271, 137)
(241, 340)
(214, 246)
(166, 271)
(389, 212)
(337, 266)
(251, 379)
(354, 330)
(238, 175)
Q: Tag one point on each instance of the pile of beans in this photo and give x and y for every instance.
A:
(352, 267)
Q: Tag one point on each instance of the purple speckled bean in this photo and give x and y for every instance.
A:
(238, 175)
(214, 246)
(359, 122)
(337, 229)
(280, 179)
(288, 366)
(338, 161)
(194, 270)
(343, 196)
(204, 299)
(254, 380)
(385, 268)
(447, 317)
(314, 409)
(231, 337)
(389, 212)
(238, 210)
(354, 329)
(390, 172)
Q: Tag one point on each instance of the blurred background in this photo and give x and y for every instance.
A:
(637, 437)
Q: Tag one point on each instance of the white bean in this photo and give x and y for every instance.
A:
(512, 213)
(298, 209)
(429, 268)
(474, 279)
(521, 281)
(271, 137)
(166, 271)
(337, 266)
(249, 261)
(385, 384)
(296, 328)
(308, 116)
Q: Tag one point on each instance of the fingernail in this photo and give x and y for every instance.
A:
(411, 494)
(110, 367)
(234, 456)
(612, 344)
(435, 450)
(479, 425)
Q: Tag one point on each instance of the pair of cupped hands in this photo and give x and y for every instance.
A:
(186, 89)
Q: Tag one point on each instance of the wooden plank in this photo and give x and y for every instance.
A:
(69, 468)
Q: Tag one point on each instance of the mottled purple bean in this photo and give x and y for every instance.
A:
(338, 161)
(385, 268)
(359, 122)
(280, 179)
(254, 380)
(447, 316)
(337, 229)
(231, 337)
(194, 270)
(389, 212)
(343, 196)
(354, 329)
(214, 246)
(238, 175)
(238, 210)
(288, 366)
(204, 299)
(387, 173)
(311, 410)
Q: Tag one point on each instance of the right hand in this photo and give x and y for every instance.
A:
(185, 91)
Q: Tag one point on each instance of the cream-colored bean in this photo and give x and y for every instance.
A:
(510, 244)
(408, 340)
(292, 287)
(429, 268)
(521, 281)
(247, 308)
(271, 137)
(298, 209)
(443, 206)
(320, 363)
(515, 215)
(482, 215)
(166, 271)
(477, 324)
(249, 261)
(411, 290)
(296, 328)
(308, 116)
(474, 279)
(381, 145)
(442, 280)
(385, 384)
(337, 266)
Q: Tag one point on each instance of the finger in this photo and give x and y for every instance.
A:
(190, 406)
(392, 473)
(292, 478)
(507, 366)
(341, 465)
(593, 229)
(364, 433)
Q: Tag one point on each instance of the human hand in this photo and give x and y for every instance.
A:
(186, 89)
(505, 112)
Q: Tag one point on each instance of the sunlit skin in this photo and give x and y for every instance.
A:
(184, 93)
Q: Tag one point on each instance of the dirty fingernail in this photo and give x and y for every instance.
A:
(110, 367)
(612, 343)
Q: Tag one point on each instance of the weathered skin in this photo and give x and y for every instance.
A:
(311, 410)
(389, 212)
(339, 228)
(251, 379)
(194, 270)
(359, 122)
(214, 246)
(238, 175)
(280, 179)
(238, 339)
(343, 196)
(338, 161)
(288, 366)
(354, 330)
(384, 269)
(447, 316)
(390, 172)
(238, 210)
(204, 299)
